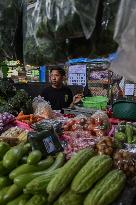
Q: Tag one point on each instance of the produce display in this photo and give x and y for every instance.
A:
(17, 103)
(126, 133)
(64, 160)
(29, 119)
(126, 161)
(5, 118)
(105, 146)
(77, 140)
(113, 183)
(18, 174)
(98, 124)
(14, 135)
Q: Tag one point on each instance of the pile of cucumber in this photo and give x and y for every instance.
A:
(19, 166)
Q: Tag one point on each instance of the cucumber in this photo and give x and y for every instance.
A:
(46, 163)
(34, 157)
(27, 148)
(12, 192)
(37, 200)
(4, 147)
(13, 156)
(59, 162)
(39, 184)
(24, 160)
(4, 181)
(27, 168)
(24, 179)
(2, 194)
(22, 169)
(22, 199)
(3, 170)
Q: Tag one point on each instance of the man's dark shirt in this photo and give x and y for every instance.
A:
(58, 98)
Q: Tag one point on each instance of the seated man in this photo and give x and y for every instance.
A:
(59, 95)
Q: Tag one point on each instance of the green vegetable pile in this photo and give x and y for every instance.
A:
(26, 178)
(126, 133)
(19, 166)
(13, 101)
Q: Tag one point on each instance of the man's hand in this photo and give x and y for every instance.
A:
(77, 98)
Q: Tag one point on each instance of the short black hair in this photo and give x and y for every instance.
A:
(59, 69)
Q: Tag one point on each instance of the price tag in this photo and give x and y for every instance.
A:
(129, 89)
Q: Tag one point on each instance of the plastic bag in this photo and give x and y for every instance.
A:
(105, 43)
(42, 108)
(125, 35)
(65, 18)
(75, 141)
(44, 124)
(125, 160)
(38, 48)
(47, 25)
(105, 146)
(99, 124)
(9, 14)
(46, 141)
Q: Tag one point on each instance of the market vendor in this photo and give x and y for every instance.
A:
(59, 95)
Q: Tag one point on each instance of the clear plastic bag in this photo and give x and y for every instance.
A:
(99, 124)
(106, 43)
(125, 35)
(65, 18)
(47, 25)
(42, 108)
(125, 159)
(9, 13)
(75, 141)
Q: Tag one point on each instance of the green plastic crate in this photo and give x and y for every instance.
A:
(97, 102)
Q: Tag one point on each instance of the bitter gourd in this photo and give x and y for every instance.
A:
(91, 172)
(107, 189)
(67, 173)
(71, 198)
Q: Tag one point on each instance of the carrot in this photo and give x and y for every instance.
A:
(31, 117)
(23, 117)
(20, 114)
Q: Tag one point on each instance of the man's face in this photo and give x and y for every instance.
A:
(56, 78)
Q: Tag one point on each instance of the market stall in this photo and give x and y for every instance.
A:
(50, 158)
(84, 154)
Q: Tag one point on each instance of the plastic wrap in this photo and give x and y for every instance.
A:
(46, 141)
(105, 146)
(47, 25)
(75, 141)
(9, 14)
(99, 124)
(42, 108)
(44, 124)
(125, 160)
(125, 35)
(65, 18)
(105, 43)
(125, 134)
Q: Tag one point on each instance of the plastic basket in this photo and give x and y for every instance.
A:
(125, 110)
(97, 102)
